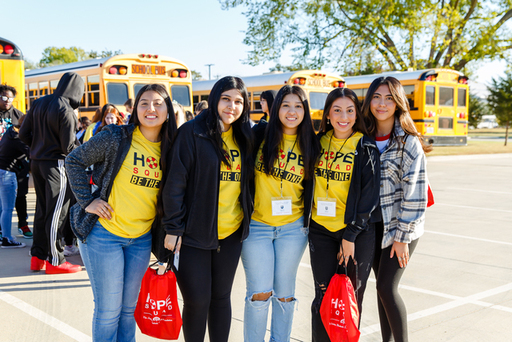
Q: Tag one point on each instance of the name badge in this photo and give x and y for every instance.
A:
(326, 206)
(281, 206)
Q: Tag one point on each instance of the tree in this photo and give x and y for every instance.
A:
(196, 75)
(104, 53)
(54, 56)
(31, 65)
(399, 34)
(500, 100)
(477, 109)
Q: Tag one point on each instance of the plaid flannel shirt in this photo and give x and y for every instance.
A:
(403, 191)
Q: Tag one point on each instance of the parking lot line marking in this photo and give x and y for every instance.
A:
(469, 237)
(469, 207)
(473, 299)
(66, 329)
(491, 192)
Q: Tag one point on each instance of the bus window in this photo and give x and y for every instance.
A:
(461, 97)
(32, 93)
(446, 96)
(256, 98)
(430, 95)
(359, 92)
(53, 85)
(43, 88)
(317, 100)
(137, 87)
(409, 92)
(181, 94)
(117, 93)
(82, 101)
(204, 98)
(93, 90)
(195, 100)
(446, 123)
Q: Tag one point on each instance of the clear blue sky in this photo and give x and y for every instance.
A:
(197, 32)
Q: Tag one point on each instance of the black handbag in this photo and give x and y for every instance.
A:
(157, 243)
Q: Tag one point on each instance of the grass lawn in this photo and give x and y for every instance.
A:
(489, 132)
(474, 147)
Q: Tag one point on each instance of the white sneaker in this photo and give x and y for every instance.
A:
(71, 250)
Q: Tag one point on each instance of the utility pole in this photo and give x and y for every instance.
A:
(209, 70)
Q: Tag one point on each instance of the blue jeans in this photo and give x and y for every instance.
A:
(115, 266)
(8, 189)
(271, 257)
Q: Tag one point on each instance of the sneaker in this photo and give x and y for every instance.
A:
(71, 250)
(26, 232)
(37, 264)
(11, 243)
(66, 267)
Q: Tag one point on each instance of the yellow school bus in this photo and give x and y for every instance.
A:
(438, 99)
(317, 85)
(115, 79)
(12, 70)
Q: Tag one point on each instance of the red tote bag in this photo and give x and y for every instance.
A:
(157, 313)
(339, 311)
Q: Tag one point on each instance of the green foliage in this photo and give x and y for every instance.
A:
(29, 65)
(359, 35)
(55, 56)
(196, 75)
(500, 100)
(477, 109)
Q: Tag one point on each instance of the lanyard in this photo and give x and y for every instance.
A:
(287, 161)
(327, 160)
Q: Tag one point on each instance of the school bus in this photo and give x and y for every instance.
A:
(438, 100)
(317, 85)
(115, 79)
(12, 70)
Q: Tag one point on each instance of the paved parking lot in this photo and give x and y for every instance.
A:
(458, 286)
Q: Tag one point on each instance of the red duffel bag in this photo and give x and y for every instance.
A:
(339, 311)
(157, 313)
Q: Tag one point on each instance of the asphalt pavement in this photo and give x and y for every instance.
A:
(458, 285)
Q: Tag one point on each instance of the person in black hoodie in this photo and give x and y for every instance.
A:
(8, 114)
(50, 131)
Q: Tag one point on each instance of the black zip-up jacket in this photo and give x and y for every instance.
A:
(12, 152)
(308, 184)
(191, 192)
(50, 126)
(364, 190)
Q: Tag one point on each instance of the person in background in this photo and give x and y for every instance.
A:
(347, 179)
(200, 106)
(49, 130)
(266, 100)
(12, 150)
(129, 109)
(113, 224)
(207, 207)
(180, 113)
(83, 124)
(403, 197)
(9, 115)
(271, 254)
(189, 115)
(93, 127)
(109, 115)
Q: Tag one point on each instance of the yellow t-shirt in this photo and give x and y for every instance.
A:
(88, 132)
(268, 186)
(230, 210)
(133, 195)
(338, 164)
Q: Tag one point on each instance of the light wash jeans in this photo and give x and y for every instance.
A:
(115, 266)
(271, 257)
(8, 190)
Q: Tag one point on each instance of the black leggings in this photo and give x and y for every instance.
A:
(205, 278)
(324, 246)
(392, 311)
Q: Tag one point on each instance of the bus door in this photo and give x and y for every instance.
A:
(316, 104)
(430, 110)
(461, 128)
(446, 113)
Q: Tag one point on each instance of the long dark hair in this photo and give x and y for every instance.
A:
(269, 96)
(308, 143)
(241, 127)
(326, 126)
(402, 111)
(167, 134)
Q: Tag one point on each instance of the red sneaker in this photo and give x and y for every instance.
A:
(62, 268)
(37, 264)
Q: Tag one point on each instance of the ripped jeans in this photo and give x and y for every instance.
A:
(271, 257)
